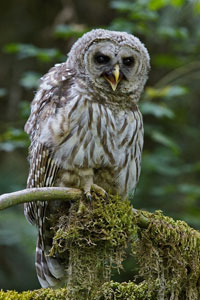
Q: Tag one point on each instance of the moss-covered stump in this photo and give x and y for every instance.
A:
(94, 235)
(169, 251)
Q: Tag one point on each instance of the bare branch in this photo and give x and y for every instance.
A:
(39, 194)
(51, 194)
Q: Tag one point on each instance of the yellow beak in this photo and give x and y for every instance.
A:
(113, 77)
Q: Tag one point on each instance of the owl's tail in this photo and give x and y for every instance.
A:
(49, 270)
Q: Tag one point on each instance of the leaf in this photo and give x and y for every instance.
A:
(48, 55)
(173, 32)
(168, 61)
(144, 15)
(123, 6)
(165, 140)
(157, 4)
(119, 24)
(13, 138)
(166, 92)
(197, 7)
(29, 50)
(30, 80)
(23, 50)
(11, 48)
(176, 91)
(12, 145)
(177, 2)
(67, 31)
(137, 11)
(156, 110)
(156, 93)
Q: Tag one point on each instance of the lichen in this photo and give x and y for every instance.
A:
(94, 235)
(169, 251)
(41, 294)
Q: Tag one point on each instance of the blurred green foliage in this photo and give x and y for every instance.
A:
(170, 106)
(170, 159)
(67, 31)
(24, 51)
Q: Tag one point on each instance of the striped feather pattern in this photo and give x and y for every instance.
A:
(42, 173)
(83, 133)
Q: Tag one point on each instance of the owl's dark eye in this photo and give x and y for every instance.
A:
(128, 61)
(102, 59)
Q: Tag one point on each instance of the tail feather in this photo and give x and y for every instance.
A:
(49, 271)
(55, 267)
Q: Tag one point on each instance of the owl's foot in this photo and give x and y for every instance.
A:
(97, 189)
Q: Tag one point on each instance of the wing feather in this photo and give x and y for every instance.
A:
(43, 167)
(43, 172)
(52, 94)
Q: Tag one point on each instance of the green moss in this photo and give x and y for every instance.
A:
(127, 291)
(169, 251)
(42, 294)
(94, 236)
(110, 290)
(99, 222)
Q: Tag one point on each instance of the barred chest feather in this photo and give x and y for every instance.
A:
(87, 135)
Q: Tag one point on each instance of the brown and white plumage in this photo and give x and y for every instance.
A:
(86, 128)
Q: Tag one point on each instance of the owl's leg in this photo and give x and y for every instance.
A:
(87, 188)
(86, 181)
(87, 184)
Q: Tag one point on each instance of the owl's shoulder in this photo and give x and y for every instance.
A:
(53, 93)
(56, 76)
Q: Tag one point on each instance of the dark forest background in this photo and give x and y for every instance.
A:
(35, 35)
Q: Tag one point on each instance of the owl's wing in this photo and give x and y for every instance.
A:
(43, 167)
(43, 170)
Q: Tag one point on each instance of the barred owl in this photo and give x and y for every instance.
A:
(86, 129)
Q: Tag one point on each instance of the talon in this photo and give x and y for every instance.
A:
(99, 190)
(106, 196)
(88, 196)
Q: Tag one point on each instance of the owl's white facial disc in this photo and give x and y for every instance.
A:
(104, 57)
(110, 62)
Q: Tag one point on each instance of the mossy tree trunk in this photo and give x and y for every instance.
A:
(96, 234)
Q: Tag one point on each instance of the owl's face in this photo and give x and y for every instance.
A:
(112, 62)
(113, 67)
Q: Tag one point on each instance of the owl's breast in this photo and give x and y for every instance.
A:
(92, 136)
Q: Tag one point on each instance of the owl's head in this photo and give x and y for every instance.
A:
(111, 61)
